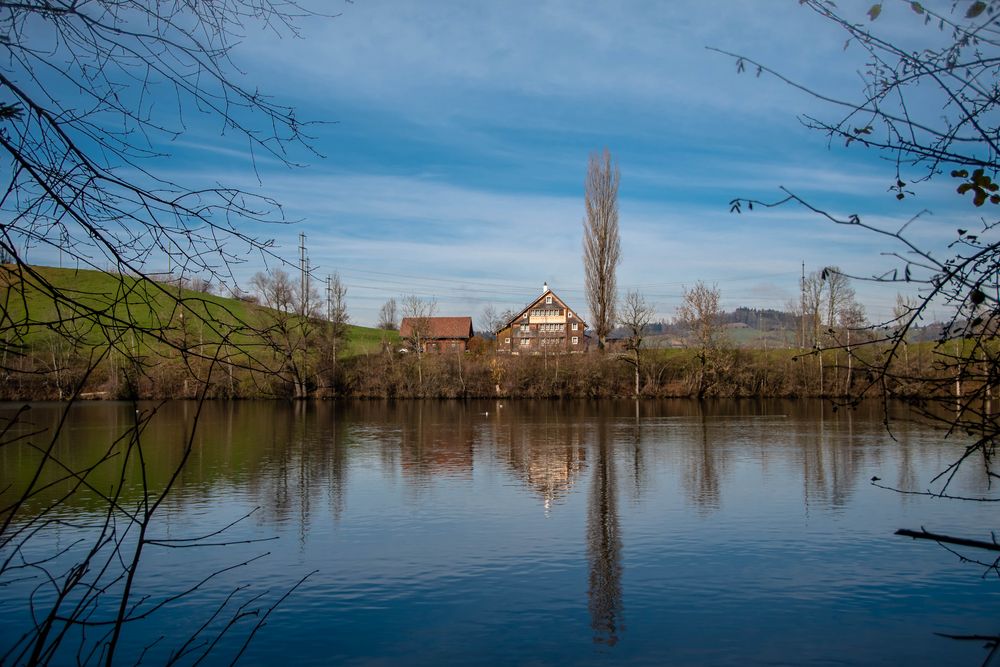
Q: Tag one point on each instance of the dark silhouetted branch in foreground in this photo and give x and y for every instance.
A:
(948, 539)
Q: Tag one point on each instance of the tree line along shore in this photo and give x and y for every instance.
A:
(123, 338)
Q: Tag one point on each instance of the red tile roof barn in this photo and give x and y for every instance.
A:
(439, 327)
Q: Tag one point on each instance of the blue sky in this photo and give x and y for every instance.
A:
(458, 136)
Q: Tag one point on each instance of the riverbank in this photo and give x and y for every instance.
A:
(126, 337)
(387, 373)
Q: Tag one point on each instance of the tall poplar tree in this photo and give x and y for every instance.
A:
(601, 245)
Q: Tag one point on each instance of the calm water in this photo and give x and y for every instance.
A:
(546, 532)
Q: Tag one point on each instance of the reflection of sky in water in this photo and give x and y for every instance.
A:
(573, 532)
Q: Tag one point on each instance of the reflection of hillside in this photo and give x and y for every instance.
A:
(93, 431)
(546, 453)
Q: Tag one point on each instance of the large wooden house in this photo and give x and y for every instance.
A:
(437, 334)
(546, 325)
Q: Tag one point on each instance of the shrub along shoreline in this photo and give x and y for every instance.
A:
(386, 373)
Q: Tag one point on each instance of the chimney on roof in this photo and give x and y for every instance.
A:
(545, 288)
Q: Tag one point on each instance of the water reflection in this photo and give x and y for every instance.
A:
(604, 545)
(828, 459)
(638, 461)
(435, 439)
(546, 450)
(705, 465)
(443, 501)
(294, 458)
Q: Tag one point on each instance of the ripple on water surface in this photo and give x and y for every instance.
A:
(568, 533)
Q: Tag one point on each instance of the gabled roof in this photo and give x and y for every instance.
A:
(540, 301)
(438, 327)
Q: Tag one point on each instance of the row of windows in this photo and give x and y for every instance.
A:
(548, 302)
(550, 327)
(575, 340)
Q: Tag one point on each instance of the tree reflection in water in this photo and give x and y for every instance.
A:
(500, 522)
(604, 546)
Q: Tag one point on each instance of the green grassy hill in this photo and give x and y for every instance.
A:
(96, 308)
(749, 337)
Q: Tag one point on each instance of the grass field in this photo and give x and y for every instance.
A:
(95, 307)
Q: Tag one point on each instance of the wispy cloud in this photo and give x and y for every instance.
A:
(465, 247)
(455, 170)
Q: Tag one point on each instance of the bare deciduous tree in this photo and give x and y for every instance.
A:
(853, 331)
(418, 311)
(84, 152)
(416, 328)
(336, 317)
(275, 290)
(336, 302)
(928, 105)
(287, 333)
(601, 243)
(387, 316)
(635, 315)
(700, 315)
(490, 320)
(812, 308)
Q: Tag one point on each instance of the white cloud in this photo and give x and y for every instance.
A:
(459, 162)
(392, 235)
(451, 59)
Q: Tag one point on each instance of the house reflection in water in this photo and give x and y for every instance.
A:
(549, 453)
(548, 457)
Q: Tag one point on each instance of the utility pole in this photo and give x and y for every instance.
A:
(802, 306)
(303, 272)
(329, 297)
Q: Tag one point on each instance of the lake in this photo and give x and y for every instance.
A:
(483, 532)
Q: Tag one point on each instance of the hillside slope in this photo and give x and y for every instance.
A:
(63, 328)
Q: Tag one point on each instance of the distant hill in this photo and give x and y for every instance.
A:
(759, 328)
(744, 327)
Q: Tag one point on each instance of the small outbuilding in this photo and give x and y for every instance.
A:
(437, 334)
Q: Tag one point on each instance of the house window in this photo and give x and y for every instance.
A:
(575, 340)
(525, 328)
(525, 341)
(548, 300)
(575, 326)
(569, 313)
(506, 340)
